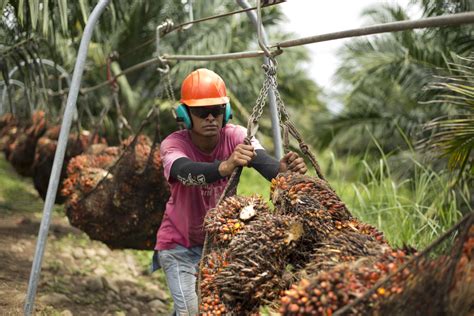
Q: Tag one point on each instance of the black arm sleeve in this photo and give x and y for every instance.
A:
(265, 164)
(189, 172)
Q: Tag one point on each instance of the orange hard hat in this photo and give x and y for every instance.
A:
(203, 87)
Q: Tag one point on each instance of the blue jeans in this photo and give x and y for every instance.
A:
(181, 266)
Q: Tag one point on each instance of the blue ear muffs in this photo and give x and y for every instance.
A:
(182, 115)
(227, 114)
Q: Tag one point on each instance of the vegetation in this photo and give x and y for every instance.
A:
(407, 96)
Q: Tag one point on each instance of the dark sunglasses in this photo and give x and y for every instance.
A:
(204, 111)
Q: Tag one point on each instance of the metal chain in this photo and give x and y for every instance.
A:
(285, 123)
(169, 88)
(257, 111)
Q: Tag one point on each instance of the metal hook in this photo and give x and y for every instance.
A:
(164, 62)
(191, 17)
(166, 27)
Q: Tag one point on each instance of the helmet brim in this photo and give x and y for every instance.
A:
(205, 102)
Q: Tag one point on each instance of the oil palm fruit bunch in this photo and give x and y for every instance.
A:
(118, 196)
(228, 218)
(7, 120)
(437, 284)
(139, 195)
(44, 156)
(22, 150)
(8, 132)
(257, 258)
(331, 289)
(84, 172)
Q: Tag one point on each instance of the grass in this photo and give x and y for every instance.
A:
(17, 193)
(251, 182)
(412, 211)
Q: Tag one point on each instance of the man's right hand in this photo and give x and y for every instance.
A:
(241, 156)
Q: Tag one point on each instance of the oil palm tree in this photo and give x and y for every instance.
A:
(452, 137)
(127, 25)
(385, 77)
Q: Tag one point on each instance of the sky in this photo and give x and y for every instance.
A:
(312, 17)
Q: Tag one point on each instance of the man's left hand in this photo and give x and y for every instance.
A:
(292, 162)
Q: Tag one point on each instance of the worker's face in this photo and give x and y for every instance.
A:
(207, 120)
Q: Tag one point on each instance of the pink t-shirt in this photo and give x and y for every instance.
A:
(182, 222)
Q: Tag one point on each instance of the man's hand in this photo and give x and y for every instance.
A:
(292, 162)
(241, 156)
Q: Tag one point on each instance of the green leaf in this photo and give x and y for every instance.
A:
(63, 15)
(3, 4)
(85, 9)
(20, 14)
(34, 12)
(45, 17)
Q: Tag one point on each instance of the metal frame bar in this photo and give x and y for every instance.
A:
(263, 42)
(59, 155)
(443, 20)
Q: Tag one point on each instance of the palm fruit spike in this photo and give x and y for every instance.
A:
(342, 247)
(354, 225)
(295, 192)
(256, 261)
(225, 220)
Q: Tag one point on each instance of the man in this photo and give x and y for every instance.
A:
(197, 163)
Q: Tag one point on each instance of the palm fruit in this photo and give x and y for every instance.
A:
(22, 150)
(84, 172)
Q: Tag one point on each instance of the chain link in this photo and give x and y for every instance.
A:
(257, 111)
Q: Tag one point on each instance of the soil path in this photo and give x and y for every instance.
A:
(78, 276)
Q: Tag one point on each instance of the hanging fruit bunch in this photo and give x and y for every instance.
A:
(118, 198)
(44, 157)
(7, 120)
(22, 150)
(84, 174)
(257, 261)
(249, 245)
(8, 132)
(140, 193)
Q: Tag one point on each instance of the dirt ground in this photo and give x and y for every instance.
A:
(78, 276)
